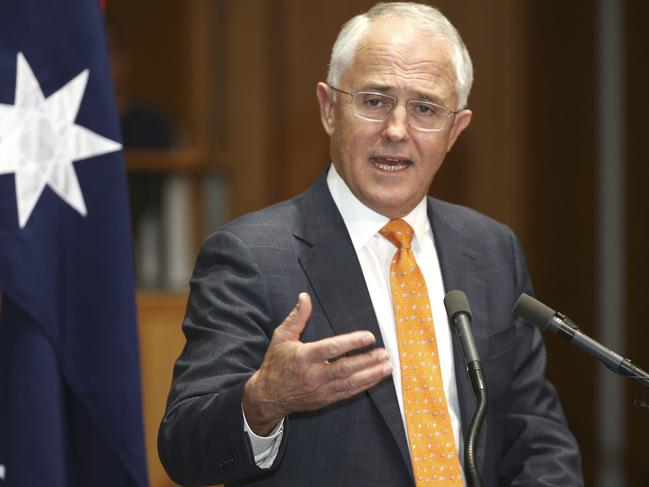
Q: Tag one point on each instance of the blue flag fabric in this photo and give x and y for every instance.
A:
(70, 399)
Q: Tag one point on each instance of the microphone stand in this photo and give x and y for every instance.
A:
(480, 389)
(459, 313)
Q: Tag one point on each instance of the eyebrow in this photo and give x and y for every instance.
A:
(419, 95)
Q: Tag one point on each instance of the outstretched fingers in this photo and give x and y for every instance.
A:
(345, 376)
(334, 347)
(364, 378)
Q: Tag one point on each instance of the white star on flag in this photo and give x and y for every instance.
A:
(39, 141)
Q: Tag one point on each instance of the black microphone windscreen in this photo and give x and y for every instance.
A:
(533, 310)
(455, 302)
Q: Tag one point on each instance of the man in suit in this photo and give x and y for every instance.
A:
(320, 393)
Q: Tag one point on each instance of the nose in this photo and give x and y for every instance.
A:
(396, 128)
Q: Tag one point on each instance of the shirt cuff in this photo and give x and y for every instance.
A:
(264, 448)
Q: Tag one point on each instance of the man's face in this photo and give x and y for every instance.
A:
(390, 165)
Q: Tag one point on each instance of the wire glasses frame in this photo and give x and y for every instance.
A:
(378, 107)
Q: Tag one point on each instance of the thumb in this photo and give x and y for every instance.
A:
(296, 321)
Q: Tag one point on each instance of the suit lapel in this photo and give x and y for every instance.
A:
(458, 263)
(332, 268)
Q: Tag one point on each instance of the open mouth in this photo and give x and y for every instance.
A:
(389, 164)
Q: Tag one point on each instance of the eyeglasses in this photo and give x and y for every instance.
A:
(377, 107)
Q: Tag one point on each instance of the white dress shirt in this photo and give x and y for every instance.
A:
(375, 255)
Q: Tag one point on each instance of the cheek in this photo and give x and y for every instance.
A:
(433, 152)
(431, 168)
(356, 143)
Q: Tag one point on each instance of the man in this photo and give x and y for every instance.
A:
(362, 383)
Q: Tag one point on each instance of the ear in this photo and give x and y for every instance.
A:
(323, 93)
(462, 121)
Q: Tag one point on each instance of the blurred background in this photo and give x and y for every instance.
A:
(219, 115)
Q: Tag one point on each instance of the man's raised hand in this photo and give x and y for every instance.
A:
(296, 376)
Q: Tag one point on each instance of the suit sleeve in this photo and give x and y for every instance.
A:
(539, 449)
(227, 326)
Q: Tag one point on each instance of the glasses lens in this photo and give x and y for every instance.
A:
(373, 106)
(427, 116)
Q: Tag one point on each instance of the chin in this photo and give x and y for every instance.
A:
(392, 208)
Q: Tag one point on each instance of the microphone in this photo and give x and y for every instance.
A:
(546, 318)
(459, 316)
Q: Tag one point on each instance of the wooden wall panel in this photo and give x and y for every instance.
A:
(246, 69)
(486, 170)
(637, 203)
(561, 161)
(202, 24)
(161, 341)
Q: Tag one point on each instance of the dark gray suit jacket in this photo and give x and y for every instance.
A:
(246, 281)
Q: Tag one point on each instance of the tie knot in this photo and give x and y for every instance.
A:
(398, 232)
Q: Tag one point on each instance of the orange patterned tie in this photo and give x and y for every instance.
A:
(432, 444)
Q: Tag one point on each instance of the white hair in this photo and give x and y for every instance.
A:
(426, 17)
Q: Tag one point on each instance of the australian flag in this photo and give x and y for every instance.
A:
(70, 400)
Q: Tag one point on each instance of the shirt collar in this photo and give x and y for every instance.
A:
(364, 223)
